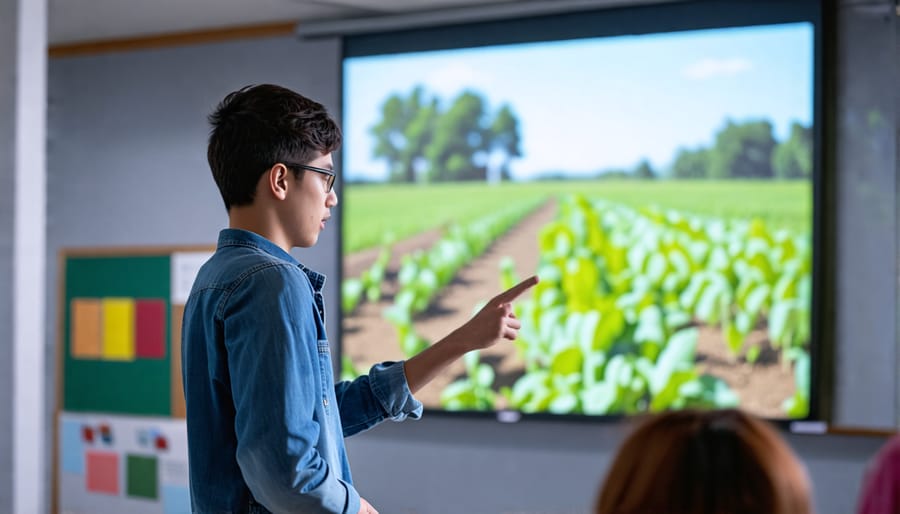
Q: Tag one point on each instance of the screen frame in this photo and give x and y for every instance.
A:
(645, 19)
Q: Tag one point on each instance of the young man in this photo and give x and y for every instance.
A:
(265, 420)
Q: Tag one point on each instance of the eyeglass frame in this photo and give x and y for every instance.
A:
(329, 173)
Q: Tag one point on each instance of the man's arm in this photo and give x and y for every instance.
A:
(370, 399)
(273, 363)
(493, 322)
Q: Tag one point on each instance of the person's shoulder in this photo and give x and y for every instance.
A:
(245, 265)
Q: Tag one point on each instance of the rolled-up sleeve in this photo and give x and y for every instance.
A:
(272, 360)
(382, 394)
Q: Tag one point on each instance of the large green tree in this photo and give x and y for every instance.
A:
(793, 158)
(421, 141)
(743, 150)
(403, 132)
(459, 134)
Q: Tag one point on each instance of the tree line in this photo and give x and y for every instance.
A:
(422, 140)
(749, 150)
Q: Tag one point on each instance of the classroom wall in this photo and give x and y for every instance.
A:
(865, 310)
(8, 61)
(126, 166)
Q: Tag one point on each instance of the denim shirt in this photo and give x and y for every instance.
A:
(265, 419)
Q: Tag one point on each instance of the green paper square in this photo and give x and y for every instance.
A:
(141, 477)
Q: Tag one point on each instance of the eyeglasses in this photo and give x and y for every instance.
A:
(329, 181)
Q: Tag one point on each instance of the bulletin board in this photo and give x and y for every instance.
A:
(121, 438)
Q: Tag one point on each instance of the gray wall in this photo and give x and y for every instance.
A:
(9, 10)
(866, 207)
(127, 167)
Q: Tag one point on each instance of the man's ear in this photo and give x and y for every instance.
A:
(277, 181)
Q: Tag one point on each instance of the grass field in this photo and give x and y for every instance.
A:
(371, 211)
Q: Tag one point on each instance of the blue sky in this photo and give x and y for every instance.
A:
(591, 104)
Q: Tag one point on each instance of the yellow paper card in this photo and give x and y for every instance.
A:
(118, 329)
(85, 333)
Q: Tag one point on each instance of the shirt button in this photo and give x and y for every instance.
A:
(325, 402)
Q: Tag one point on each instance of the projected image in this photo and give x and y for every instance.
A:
(659, 185)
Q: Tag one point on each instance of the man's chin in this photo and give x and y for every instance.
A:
(308, 242)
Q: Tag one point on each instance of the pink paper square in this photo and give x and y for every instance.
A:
(102, 472)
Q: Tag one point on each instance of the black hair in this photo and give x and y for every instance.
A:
(258, 126)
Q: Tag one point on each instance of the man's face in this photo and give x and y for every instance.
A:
(311, 202)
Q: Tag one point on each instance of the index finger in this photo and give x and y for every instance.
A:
(516, 291)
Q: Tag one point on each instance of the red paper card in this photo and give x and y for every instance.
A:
(150, 329)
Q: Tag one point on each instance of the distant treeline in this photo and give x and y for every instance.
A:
(424, 141)
(749, 150)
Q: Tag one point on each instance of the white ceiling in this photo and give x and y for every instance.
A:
(73, 21)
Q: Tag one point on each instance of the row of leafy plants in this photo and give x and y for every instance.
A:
(424, 273)
(612, 328)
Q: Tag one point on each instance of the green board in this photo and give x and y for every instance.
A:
(140, 386)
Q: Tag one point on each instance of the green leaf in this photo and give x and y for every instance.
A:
(412, 344)
(485, 376)
(579, 283)
(656, 268)
(802, 374)
(398, 315)
(528, 387)
(669, 395)
(614, 369)
(675, 319)
(691, 294)
(587, 330)
(734, 338)
(563, 404)
(786, 285)
(598, 399)
(707, 306)
(650, 326)
(756, 300)
(711, 392)
(593, 368)
(507, 273)
(556, 239)
(471, 360)
(779, 322)
(796, 406)
(459, 396)
(351, 293)
(373, 292)
(678, 354)
(680, 263)
(753, 353)
(567, 361)
(611, 326)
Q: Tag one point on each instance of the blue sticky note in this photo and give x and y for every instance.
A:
(176, 499)
(72, 447)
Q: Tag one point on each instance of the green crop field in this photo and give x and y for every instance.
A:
(371, 211)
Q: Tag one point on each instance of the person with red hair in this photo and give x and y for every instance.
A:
(705, 462)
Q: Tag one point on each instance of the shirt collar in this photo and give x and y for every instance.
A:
(240, 237)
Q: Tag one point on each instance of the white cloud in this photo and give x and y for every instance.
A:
(711, 68)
